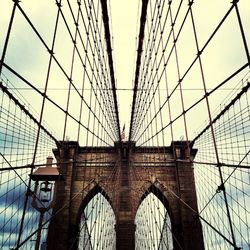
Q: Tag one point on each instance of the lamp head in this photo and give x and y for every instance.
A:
(47, 173)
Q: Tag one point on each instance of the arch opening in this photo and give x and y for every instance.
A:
(153, 223)
(97, 224)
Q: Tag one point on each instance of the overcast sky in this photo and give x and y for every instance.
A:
(220, 59)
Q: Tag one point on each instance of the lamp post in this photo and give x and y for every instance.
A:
(44, 178)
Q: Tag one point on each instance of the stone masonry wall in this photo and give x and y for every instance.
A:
(124, 174)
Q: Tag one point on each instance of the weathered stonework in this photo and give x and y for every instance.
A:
(165, 171)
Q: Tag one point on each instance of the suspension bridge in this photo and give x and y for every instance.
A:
(175, 176)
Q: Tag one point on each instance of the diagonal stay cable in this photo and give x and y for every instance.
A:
(22, 107)
(198, 101)
(138, 63)
(110, 58)
(50, 100)
(51, 54)
(197, 214)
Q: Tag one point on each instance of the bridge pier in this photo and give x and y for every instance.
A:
(125, 235)
(124, 191)
(125, 227)
(61, 229)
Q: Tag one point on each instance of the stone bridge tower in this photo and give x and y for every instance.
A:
(85, 168)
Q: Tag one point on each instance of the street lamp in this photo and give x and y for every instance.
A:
(45, 191)
(44, 178)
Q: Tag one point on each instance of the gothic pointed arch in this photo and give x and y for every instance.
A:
(152, 188)
(94, 191)
(154, 220)
(95, 214)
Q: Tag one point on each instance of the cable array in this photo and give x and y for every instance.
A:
(177, 52)
(18, 132)
(231, 134)
(72, 51)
